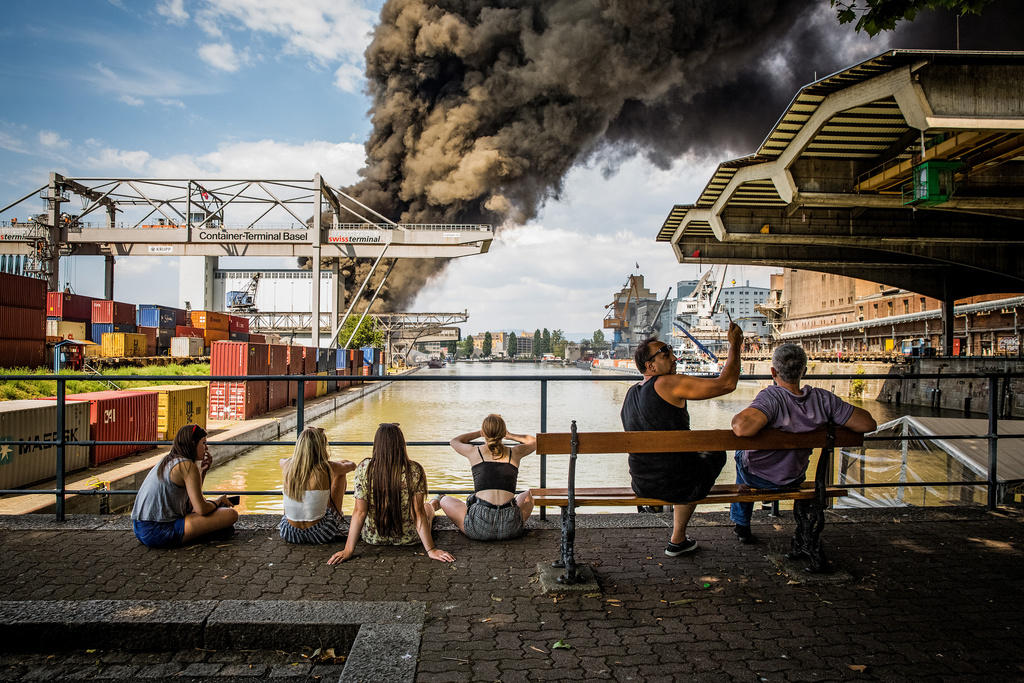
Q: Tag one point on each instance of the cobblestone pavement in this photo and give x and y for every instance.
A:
(930, 594)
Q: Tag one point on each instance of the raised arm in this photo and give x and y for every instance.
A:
(355, 527)
(684, 387)
(861, 421)
(461, 444)
(527, 444)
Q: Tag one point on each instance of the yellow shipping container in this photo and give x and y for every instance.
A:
(91, 350)
(123, 345)
(321, 387)
(177, 406)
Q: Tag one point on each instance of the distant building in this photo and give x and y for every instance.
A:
(524, 343)
(741, 303)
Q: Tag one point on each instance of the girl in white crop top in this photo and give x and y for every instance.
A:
(313, 490)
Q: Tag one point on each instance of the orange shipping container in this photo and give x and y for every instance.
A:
(210, 320)
(210, 336)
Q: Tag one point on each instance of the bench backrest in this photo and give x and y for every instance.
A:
(552, 443)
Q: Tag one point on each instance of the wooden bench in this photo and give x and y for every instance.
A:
(811, 498)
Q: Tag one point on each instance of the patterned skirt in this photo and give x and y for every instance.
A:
(328, 528)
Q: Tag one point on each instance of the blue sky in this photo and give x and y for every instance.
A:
(274, 88)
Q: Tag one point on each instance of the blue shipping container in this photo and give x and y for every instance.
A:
(156, 316)
(98, 329)
(340, 358)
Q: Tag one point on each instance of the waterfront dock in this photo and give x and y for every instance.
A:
(921, 593)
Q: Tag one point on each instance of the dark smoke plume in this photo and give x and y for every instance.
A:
(481, 108)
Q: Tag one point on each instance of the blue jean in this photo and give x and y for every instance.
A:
(740, 513)
(160, 534)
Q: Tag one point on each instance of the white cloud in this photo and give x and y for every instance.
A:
(131, 100)
(171, 102)
(136, 79)
(173, 11)
(48, 138)
(131, 160)
(348, 77)
(222, 56)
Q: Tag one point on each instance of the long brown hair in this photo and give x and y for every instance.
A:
(308, 462)
(186, 443)
(494, 430)
(388, 465)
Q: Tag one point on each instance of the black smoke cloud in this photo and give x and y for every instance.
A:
(480, 109)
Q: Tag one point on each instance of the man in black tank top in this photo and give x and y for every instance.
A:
(659, 403)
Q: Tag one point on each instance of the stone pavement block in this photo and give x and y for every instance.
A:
(291, 670)
(243, 670)
(386, 652)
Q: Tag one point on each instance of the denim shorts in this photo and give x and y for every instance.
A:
(160, 534)
(488, 522)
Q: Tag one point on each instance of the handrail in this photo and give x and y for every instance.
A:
(61, 443)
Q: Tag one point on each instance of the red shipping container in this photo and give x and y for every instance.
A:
(67, 306)
(181, 318)
(342, 383)
(210, 320)
(22, 353)
(296, 366)
(17, 322)
(118, 416)
(151, 337)
(257, 338)
(26, 292)
(237, 400)
(237, 323)
(106, 311)
(277, 357)
(238, 358)
(185, 331)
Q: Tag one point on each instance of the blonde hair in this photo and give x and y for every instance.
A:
(493, 431)
(310, 458)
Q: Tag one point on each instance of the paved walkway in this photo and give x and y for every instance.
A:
(929, 594)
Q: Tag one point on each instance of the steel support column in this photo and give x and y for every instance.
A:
(318, 205)
(108, 276)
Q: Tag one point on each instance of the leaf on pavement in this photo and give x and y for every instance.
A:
(561, 645)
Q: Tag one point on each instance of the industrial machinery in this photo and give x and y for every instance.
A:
(243, 301)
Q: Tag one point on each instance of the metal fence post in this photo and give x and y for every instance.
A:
(300, 409)
(61, 484)
(993, 439)
(543, 428)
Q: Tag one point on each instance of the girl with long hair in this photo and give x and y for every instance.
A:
(161, 517)
(494, 512)
(314, 486)
(390, 506)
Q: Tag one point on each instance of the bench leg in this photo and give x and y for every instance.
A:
(810, 521)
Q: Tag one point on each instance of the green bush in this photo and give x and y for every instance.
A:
(857, 386)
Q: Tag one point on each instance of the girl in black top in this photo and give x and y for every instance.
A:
(494, 512)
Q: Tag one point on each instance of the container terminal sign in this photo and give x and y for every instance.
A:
(251, 236)
(358, 236)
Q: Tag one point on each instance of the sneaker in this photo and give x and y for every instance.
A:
(743, 534)
(676, 549)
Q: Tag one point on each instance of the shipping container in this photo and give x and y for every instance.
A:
(332, 382)
(118, 416)
(210, 320)
(321, 360)
(68, 306)
(309, 368)
(237, 323)
(22, 353)
(321, 385)
(91, 350)
(187, 347)
(211, 336)
(237, 400)
(186, 331)
(156, 316)
(66, 329)
(164, 335)
(238, 358)
(123, 345)
(24, 292)
(99, 329)
(343, 379)
(277, 359)
(238, 336)
(257, 338)
(17, 322)
(106, 311)
(182, 317)
(36, 421)
(150, 334)
(296, 366)
(178, 405)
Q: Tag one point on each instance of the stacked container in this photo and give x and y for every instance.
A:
(332, 370)
(112, 312)
(277, 391)
(257, 338)
(163, 321)
(187, 331)
(296, 366)
(187, 347)
(37, 421)
(213, 324)
(68, 316)
(117, 416)
(22, 321)
(341, 368)
(178, 405)
(238, 400)
(309, 368)
(123, 345)
(238, 328)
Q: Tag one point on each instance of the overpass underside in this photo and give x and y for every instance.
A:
(906, 170)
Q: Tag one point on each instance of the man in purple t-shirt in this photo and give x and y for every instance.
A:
(788, 408)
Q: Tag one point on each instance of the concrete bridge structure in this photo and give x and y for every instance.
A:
(906, 169)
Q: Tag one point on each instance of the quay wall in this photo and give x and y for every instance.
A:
(952, 394)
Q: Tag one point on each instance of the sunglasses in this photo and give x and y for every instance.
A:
(667, 350)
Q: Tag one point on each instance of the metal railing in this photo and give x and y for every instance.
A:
(61, 443)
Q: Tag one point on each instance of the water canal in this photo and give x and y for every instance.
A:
(437, 411)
